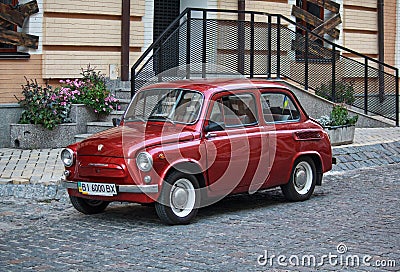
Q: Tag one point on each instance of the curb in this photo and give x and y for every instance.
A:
(348, 158)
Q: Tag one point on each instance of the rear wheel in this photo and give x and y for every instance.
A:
(302, 180)
(88, 206)
(179, 199)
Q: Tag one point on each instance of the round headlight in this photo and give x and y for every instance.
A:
(67, 157)
(144, 161)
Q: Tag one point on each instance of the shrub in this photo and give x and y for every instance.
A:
(91, 90)
(344, 92)
(50, 107)
(339, 116)
(42, 105)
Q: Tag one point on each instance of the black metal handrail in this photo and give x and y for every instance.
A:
(277, 62)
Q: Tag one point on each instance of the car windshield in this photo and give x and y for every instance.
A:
(166, 105)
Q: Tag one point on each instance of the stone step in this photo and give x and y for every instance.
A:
(124, 103)
(94, 127)
(81, 137)
(123, 93)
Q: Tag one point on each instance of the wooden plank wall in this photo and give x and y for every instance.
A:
(78, 33)
(12, 74)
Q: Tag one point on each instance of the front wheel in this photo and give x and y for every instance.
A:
(302, 180)
(88, 206)
(179, 199)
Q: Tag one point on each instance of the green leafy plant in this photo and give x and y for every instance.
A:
(91, 90)
(42, 105)
(344, 92)
(50, 107)
(339, 116)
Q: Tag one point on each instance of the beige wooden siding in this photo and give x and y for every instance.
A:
(78, 33)
(361, 3)
(360, 20)
(104, 7)
(85, 32)
(12, 74)
(390, 31)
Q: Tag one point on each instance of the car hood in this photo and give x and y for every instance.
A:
(125, 141)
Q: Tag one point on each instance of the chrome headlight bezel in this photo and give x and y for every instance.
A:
(144, 161)
(67, 157)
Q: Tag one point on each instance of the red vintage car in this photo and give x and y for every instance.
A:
(186, 144)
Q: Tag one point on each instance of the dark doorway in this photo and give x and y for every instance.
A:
(165, 12)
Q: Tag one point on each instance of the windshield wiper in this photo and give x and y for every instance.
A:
(161, 118)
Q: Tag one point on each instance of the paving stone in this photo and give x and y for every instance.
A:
(20, 180)
(228, 236)
(5, 181)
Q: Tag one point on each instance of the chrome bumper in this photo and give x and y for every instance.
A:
(137, 189)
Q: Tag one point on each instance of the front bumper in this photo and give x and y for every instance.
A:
(136, 189)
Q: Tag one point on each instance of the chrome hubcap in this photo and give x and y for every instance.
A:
(179, 198)
(303, 177)
(182, 197)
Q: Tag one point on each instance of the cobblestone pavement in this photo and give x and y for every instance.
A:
(353, 216)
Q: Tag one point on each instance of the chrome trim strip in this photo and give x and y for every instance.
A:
(98, 164)
(121, 188)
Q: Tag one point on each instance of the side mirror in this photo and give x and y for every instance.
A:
(213, 126)
(116, 122)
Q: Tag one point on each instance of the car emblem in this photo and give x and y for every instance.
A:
(100, 147)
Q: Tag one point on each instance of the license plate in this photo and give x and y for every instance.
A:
(99, 189)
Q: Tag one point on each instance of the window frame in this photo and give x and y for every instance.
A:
(291, 100)
(218, 96)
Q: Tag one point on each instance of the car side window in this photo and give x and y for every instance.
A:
(278, 107)
(234, 110)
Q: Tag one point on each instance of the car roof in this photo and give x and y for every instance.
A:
(217, 84)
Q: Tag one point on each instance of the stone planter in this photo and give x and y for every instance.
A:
(81, 115)
(341, 135)
(27, 136)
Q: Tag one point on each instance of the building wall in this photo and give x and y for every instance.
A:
(13, 71)
(390, 26)
(360, 28)
(91, 34)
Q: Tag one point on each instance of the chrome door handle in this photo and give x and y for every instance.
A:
(211, 135)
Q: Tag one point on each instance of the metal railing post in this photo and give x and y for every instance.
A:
(278, 47)
(366, 86)
(133, 82)
(188, 26)
(160, 63)
(252, 46)
(269, 40)
(333, 73)
(306, 62)
(204, 46)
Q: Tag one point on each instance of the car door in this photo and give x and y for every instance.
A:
(234, 144)
(283, 118)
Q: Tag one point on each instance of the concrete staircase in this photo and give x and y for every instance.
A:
(122, 91)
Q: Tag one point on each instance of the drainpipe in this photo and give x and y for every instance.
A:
(125, 32)
(241, 35)
(381, 49)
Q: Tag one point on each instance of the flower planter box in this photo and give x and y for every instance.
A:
(28, 136)
(341, 135)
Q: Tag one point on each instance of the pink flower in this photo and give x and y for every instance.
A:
(119, 107)
(62, 81)
(63, 103)
(95, 111)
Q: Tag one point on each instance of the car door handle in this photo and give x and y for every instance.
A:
(211, 135)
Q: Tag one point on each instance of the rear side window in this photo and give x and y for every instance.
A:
(234, 110)
(278, 107)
